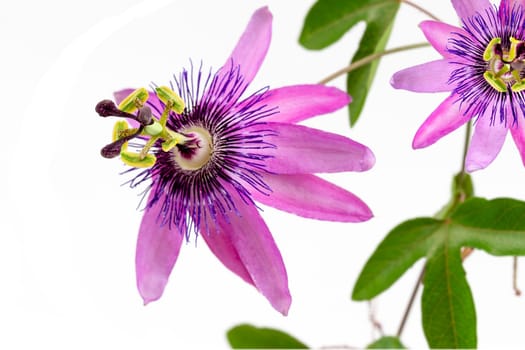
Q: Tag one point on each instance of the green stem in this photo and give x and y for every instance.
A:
(420, 9)
(410, 303)
(368, 59)
(463, 171)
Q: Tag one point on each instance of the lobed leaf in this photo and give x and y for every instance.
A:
(449, 318)
(328, 20)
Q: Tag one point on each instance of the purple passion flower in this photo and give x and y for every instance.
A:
(208, 152)
(483, 66)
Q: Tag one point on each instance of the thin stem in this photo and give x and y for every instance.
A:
(517, 290)
(410, 303)
(419, 8)
(368, 59)
(465, 150)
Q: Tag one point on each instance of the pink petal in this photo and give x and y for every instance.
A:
(300, 102)
(300, 150)
(157, 251)
(445, 119)
(427, 77)
(222, 246)
(518, 134)
(246, 240)
(469, 8)
(486, 143)
(252, 45)
(438, 34)
(312, 197)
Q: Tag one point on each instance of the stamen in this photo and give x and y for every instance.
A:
(170, 98)
(121, 135)
(134, 101)
(490, 50)
(495, 81)
(149, 125)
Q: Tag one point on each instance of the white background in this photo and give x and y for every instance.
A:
(68, 229)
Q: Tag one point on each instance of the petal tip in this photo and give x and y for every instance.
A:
(283, 304)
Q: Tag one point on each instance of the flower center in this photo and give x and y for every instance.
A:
(194, 153)
(505, 67)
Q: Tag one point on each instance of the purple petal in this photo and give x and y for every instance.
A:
(250, 243)
(438, 34)
(300, 102)
(312, 197)
(486, 143)
(157, 250)
(518, 134)
(252, 45)
(445, 119)
(427, 77)
(469, 8)
(224, 249)
(301, 150)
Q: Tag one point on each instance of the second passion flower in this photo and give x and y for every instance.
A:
(483, 66)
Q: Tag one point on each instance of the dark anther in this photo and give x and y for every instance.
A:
(144, 117)
(113, 149)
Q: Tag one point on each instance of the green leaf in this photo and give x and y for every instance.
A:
(328, 20)
(449, 318)
(246, 336)
(359, 81)
(401, 248)
(386, 343)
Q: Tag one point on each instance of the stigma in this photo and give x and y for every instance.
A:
(505, 64)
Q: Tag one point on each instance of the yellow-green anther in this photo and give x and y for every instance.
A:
(136, 160)
(120, 127)
(170, 99)
(511, 55)
(489, 51)
(518, 86)
(494, 81)
(134, 101)
(153, 129)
